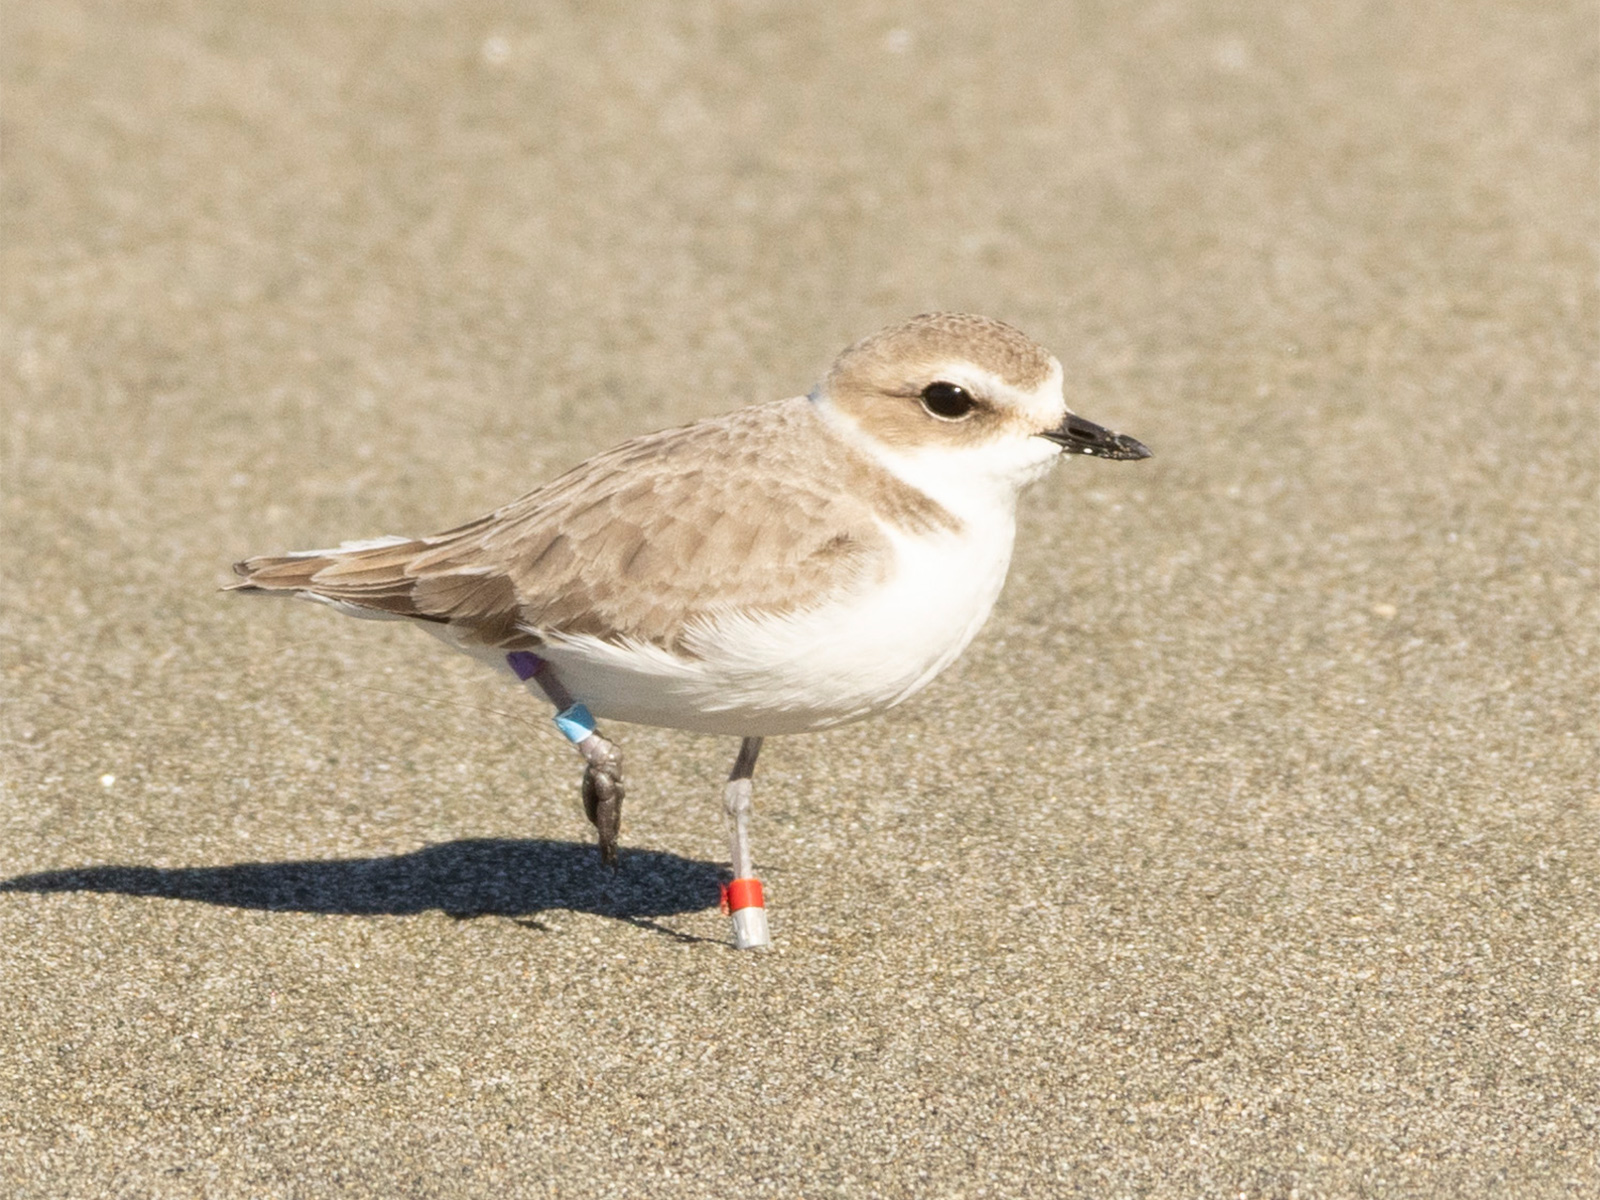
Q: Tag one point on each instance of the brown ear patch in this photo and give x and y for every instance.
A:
(897, 418)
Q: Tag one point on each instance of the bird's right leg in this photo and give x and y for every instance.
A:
(744, 899)
(602, 773)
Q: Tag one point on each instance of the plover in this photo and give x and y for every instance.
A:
(782, 568)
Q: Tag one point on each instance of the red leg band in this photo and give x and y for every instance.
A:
(744, 893)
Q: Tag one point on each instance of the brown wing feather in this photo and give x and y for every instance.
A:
(738, 513)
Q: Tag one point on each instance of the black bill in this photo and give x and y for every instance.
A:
(1077, 436)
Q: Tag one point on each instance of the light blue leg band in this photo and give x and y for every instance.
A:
(575, 723)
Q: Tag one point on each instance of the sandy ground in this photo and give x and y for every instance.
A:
(1251, 850)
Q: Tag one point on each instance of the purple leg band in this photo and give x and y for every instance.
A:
(526, 665)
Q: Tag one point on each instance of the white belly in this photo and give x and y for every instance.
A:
(811, 669)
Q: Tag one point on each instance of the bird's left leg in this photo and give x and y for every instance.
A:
(602, 774)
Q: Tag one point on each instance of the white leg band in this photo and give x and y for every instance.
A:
(750, 929)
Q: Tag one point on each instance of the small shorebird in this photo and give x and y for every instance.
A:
(782, 568)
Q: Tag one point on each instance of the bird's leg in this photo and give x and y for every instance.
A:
(603, 792)
(744, 899)
(602, 774)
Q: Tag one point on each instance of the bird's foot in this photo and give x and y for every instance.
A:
(602, 798)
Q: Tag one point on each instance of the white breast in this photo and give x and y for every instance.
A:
(823, 666)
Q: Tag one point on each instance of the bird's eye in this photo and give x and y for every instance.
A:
(948, 401)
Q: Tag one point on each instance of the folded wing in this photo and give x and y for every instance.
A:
(760, 511)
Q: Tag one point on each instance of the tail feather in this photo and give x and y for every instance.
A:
(271, 574)
(370, 575)
(390, 577)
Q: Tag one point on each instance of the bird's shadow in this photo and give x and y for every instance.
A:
(472, 877)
